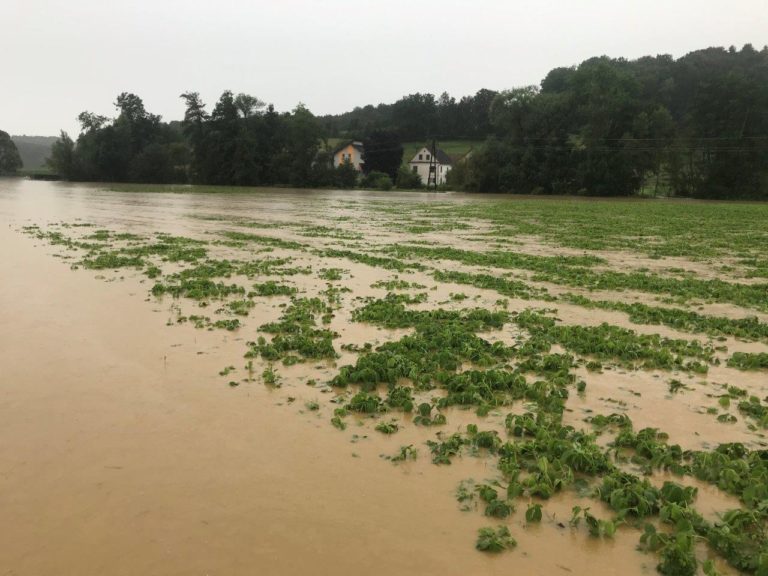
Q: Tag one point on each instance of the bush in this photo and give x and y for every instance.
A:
(377, 181)
(456, 178)
(408, 180)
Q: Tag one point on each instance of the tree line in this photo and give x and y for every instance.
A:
(417, 117)
(693, 127)
(696, 126)
(240, 142)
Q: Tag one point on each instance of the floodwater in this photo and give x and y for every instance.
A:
(123, 452)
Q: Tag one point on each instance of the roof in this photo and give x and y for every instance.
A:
(440, 156)
(341, 145)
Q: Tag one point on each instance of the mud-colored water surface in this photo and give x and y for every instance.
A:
(146, 430)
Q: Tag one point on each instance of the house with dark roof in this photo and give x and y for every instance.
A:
(422, 160)
(349, 151)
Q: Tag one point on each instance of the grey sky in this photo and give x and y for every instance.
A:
(61, 57)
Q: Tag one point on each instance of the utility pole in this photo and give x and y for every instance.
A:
(432, 178)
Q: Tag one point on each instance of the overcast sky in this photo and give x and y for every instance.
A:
(60, 57)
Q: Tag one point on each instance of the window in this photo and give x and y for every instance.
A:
(415, 169)
(428, 157)
(421, 157)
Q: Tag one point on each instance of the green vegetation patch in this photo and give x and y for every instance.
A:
(197, 289)
(272, 288)
(683, 320)
(612, 342)
(493, 259)
(495, 540)
(264, 240)
(504, 286)
(748, 361)
(442, 342)
(397, 284)
(685, 289)
(296, 336)
(171, 249)
(112, 260)
(377, 261)
(576, 271)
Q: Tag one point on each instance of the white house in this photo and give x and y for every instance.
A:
(351, 152)
(422, 161)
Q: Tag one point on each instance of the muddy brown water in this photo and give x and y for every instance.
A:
(123, 452)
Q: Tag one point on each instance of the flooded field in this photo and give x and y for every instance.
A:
(291, 382)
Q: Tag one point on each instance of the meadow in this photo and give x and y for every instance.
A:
(606, 361)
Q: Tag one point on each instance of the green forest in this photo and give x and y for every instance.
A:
(696, 126)
(10, 160)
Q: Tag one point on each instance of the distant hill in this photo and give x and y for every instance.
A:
(34, 150)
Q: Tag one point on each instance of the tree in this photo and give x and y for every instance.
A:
(415, 116)
(194, 114)
(323, 174)
(382, 152)
(194, 129)
(474, 114)
(131, 108)
(10, 160)
(302, 145)
(63, 160)
(511, 109)
(90, 122)
(136, 146)
(248, 105)
(225, 143)
(447, 115)
(346, 175)
(152, 164)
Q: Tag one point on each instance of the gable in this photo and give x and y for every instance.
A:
(425, 153)
(348, 147)
(349, 150)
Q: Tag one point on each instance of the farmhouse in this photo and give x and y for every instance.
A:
(422, 161)
(350, 151)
